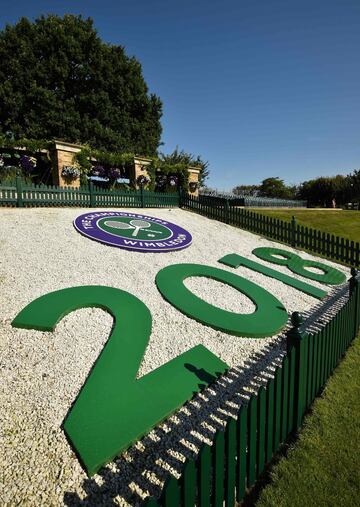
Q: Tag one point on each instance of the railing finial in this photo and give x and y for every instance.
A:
(296, 320)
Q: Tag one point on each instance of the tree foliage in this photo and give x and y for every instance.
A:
(59, 80)
(275, 187)
(187, 159)
(322, 191)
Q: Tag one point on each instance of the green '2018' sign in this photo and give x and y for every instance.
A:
(114, 409)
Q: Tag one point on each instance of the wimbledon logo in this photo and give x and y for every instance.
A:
(133, 231)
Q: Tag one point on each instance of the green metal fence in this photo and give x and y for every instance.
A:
(254, 202)
(21, 195)
(223, 472)
(272, 202)
(328, 245)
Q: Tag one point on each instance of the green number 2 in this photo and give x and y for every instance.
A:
(114, 409)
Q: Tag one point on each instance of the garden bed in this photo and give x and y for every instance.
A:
(42, 373)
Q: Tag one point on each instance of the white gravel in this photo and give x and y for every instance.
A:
(41, 373)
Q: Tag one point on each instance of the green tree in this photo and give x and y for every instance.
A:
(275, 187)
(321, 191)
(181, 157)
(353, 186)
(59, 80)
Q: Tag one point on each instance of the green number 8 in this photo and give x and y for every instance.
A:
(299, 266)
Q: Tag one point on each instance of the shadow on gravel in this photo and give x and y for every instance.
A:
(143, 468)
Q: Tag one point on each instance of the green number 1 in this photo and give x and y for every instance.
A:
(235, 261)
(114, 409)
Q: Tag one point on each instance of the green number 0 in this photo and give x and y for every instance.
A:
(114, 409)
(298, 265)
(269, 317)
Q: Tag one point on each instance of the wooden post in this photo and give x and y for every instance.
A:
(227, 211)
(19, 202)
(180, 197)
(293, 231)
(142, 195)
(354, 291)
(92, 196)
(297, 339)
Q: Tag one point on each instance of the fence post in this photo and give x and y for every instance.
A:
(293, 231)
(142, 195)
(180, 197)
(296, 340)
(92, 196)
(20, 202)
(354, 290)
(227, 211)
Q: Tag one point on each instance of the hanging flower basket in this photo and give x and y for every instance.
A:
(193, 186)
(70, 172)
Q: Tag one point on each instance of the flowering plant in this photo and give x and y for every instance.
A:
(142, 180)
(114, 173)
(161, 180)
(173, 180)
(27, 164)
(70, 172)
(99, 170)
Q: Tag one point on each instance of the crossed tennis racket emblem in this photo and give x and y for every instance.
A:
(137, 225)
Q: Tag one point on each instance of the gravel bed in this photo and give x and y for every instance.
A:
(41, 373)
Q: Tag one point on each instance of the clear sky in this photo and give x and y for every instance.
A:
(258, 88)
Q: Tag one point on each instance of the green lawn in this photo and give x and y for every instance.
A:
(323, 467)
(345, 224)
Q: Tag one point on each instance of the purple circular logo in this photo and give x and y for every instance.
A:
(133, 231)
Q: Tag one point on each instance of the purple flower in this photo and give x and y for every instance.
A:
(99, 170)
(173, 180)
(27, 164)
(114, 173)
(161, 180)
(142, 180)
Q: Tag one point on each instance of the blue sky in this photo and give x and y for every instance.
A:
(257, 88)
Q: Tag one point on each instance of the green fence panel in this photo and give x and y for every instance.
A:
(230, 450)
(171, 493)
(285, 399)
(241, 430)
(270, 397)
(310, 369)
(188, 484)
(261, 429)
(252, 442)
(314, 365)
(286, 232)
(238, 456)
(218, 467)
(321, 339)
(292, 367)
(18, 194)
(151, 502)
(277, 408)
(204, 476)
